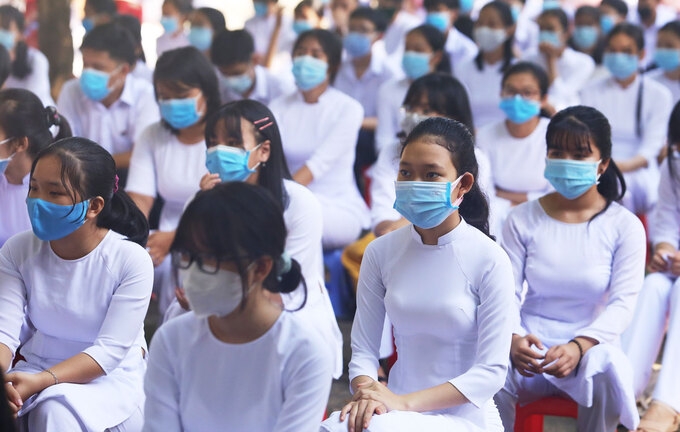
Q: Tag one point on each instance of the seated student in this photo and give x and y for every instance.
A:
(175, 14)
(306, 17)
(667, 58)
(274, 35)
(526, 29)
(613, 12)
(442, 14)
(5, 65)
(205, 24)
(83, 280)
(568, 70)
(29, 67)
(651, 16)
(588, 36)
(24, 131)
(132, 24)
(637, 108)
(445, 286)
(233, 54)
(321, 156)
(98, 12)
(273, 372)
(107, 104)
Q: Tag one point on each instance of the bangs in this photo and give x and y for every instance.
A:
(226, 123)
(569, 135)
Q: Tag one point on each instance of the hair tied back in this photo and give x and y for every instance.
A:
(53, 117)
(284, 265)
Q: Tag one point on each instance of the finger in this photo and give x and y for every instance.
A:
(534, 340)
(525, 373)
(13, 395)
(530, 353)
(347, 408)
(368, 414)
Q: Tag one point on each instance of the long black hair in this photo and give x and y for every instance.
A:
(505, 14)
(673, 139)
(21, 67)
(87, 171)
(331, 46)
(578, 128)
(458, 140)
(228, 118)
(239, 222)
(437, 41)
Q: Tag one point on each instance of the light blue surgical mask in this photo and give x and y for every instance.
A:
(200, 38)
(301, 26)
(309, 72)
(667, 59)
(52, 221)
(180, 113)
(238, 83)
(357, 44)
(231, 163)
(95, 84)
(170, 24)
(571, 178)
(415, 64)
(261, 8)
(551, 4)
(439, 20)
(426, 204)
(520, 110)
(620, 65)
(7, 39)
(550, 37)
(466, 6)
(607, 23)
(88, 24)
(515, 10)
(5, 162)
(585, 37)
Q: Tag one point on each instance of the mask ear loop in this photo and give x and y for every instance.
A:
(453, 185)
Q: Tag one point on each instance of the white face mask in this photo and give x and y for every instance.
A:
(489, 39)
(411, 120)
(211, 294)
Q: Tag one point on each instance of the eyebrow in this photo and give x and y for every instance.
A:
(51, 183)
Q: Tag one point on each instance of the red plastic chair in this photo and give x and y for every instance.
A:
(529, 418)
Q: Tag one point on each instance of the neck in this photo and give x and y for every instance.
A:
(193, 134)
(79, 243)
(651, 20)
(491, 57)
(249, 324)
(673, 75)
(578, 210)
(627, 82)
(431, 236)
(313, 95)
(113, 96)
(522, 130)
(17, 169)
(361, 64)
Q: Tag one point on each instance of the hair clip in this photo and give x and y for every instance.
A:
(284, 265)
(263, 127)
(115, 184)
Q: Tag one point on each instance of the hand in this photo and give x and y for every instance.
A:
(209, 181)
(387, 226)
(360, 413)
(182, 299)
(550, 51)
(674, 260)
(13, 398)
(663, 258)
(524, 358)
(565, 358)
(377, 391)
(159, 245)
(24, 385)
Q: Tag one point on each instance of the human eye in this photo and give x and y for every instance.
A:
(403, 173)
(432, 175)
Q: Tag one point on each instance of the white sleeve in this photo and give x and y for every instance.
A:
(40, 82)
(383, 176)
(13, 297)
(515, 246)
(142, 172)
(161, 408)
(305, 231)
(385, 134)
(67, 105)
(654, 122)
(126, 311)
(146, 112)
(664, 224)
(566, 86)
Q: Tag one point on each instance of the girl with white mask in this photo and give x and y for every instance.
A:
(273, 372)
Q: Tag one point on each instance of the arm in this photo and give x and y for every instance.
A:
(13, 298)
(303, 176)
(141, 183)
(122, 160)
(369, 123)
(385, 133)
(273, 47)
(654, 122)
(144, 202)
(161, 409)
(67, 105)
(666, 215)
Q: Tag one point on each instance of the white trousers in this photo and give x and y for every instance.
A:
(52, 415)
(658, 307)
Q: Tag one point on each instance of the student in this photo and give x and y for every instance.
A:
(568, 70)
(493, 34)
(175, 14)
(322, 157)
(98, 12)
(567, 328)
(667, 58)
(651, 16)
(613, 12)
(132, 24)
(24, 132)
(169, 157)
(83, 281)
(205, 24)
(341, 11)
(638, 109)
(274, 35)
(233, 53)
(107, 104)
(306, 17)
(657, 306)
(30, 69)
(526, 29)
(442, 14)
(587, 36)
(445, 286)
(424, 53)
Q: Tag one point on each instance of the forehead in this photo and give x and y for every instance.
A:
(47, 169)
(521, 80)
(310, 43)
(622, 40)
(425, 151)
(92, 55)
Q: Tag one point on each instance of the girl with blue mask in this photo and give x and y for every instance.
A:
(205, 24)
(84, 229)
(667, 58)
(169, 158)
(175, 13)
(579, 256)
(437, 191)
(587, 36)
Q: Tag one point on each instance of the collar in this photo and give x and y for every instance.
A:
(443, 240)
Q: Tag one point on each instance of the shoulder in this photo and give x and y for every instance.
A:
(153, 135)
(22, 246)
(622, 220)
(37, 58)
(527, 215)
(301, 341)
(122, 253)
(300, 196)
(490, 131)
(70, 89)
(656, 91)
(335, 96)
(176, 334)
(596, 86)
(284, 101)
(395, 240)
(142, 88)
(573, 56)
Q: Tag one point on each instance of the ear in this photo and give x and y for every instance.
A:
(261, 269)
(21, 145)
(465, 184)
(264, 152)
(125, 68)
(603, 166)
(454, 16)
(642, 54)
(436, 59)
(96, 207)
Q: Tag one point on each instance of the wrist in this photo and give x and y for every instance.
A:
(49, 378)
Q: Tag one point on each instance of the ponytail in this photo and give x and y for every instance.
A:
(475, 209)
(121, 214)
(288, 280)
(55, 119)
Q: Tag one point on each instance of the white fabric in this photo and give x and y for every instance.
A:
(448, 305)
(461, 48)
(582, 280)
(261, 29)
(390, 99)
(665, 220)
(484, 91)
(14, 216)
(143, 71)
(267, 88)
(38, 81)
(326, 146)
(167, 42)
(116, 128)
(672, 85)
(574, 70)
(397, 30)
(526, 34)
(619, 106)
(278, 382)
(94, 305)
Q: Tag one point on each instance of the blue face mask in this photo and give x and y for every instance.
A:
(520, 110)
(5, 162)
(415, 64)
(231, 163)
(466, 6)
(180, 113)
(585, 37)
(571, 178)
(309, 72)
(88, 24)
(200, 38)
(357, 44)
(54, 221)
(439, 20)
(170, 24)
(550, 37)
(620, 65)
(667, 59)
(426, 204)
(515, 10)
(95, 84)
(261, 8)
(238, 83)
(607, 23)
(301, 26)
(551, 4)
(7, 39)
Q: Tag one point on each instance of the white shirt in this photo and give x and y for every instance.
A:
(143, 71)
(14, 216)
(672, 85)
(484, 91)
(38, 81)
(161, 164)
(664, 14)
(116, 128)
(261, 29)
(267, 87)
(526, 35)
(171, 41)
(448, 305)
(619, 106)
(574, 70)
(278, 382)
(666, 213)
(396, 32)
(461, 48)
(365, 89)
(390, 100)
